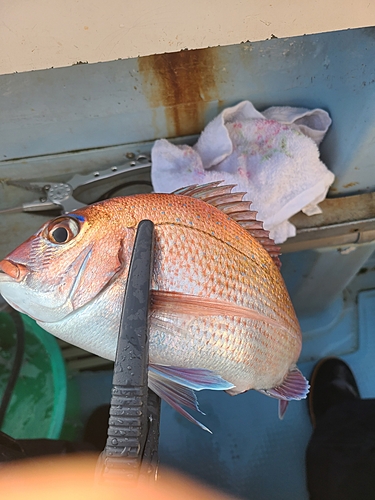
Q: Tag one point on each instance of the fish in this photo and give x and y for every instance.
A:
(220, 317)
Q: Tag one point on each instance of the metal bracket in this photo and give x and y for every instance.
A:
(344, 221)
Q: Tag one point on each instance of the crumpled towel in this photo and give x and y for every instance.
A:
(272, 156)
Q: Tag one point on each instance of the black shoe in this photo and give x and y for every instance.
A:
(332, 382)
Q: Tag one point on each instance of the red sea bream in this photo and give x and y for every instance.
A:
(221, 317)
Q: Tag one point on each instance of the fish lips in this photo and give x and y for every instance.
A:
(15, 270)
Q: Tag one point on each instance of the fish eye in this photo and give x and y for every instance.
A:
(62, 230)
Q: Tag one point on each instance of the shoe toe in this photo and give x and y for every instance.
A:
(332, 382)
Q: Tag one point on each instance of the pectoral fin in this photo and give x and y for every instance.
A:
(170, 302)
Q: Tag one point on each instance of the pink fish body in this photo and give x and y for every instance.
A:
(221, 316)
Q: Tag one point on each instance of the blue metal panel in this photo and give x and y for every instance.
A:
(315, 278)
(130, 101)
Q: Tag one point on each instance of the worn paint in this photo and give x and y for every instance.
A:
(182, 84)
(337, 211)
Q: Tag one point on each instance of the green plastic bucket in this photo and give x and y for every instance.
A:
(38, 403)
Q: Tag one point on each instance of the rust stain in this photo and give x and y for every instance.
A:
(183, 83)
(350, 184)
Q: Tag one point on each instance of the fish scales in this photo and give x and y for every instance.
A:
(247, 353)
(219, 271)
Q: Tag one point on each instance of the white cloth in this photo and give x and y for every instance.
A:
(272, 156)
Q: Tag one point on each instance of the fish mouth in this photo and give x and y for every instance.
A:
(16, 271)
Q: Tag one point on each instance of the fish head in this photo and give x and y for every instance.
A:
(65, 264)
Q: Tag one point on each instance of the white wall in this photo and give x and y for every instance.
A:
(39, 34)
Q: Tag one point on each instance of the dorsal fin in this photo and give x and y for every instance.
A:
(233, 205)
